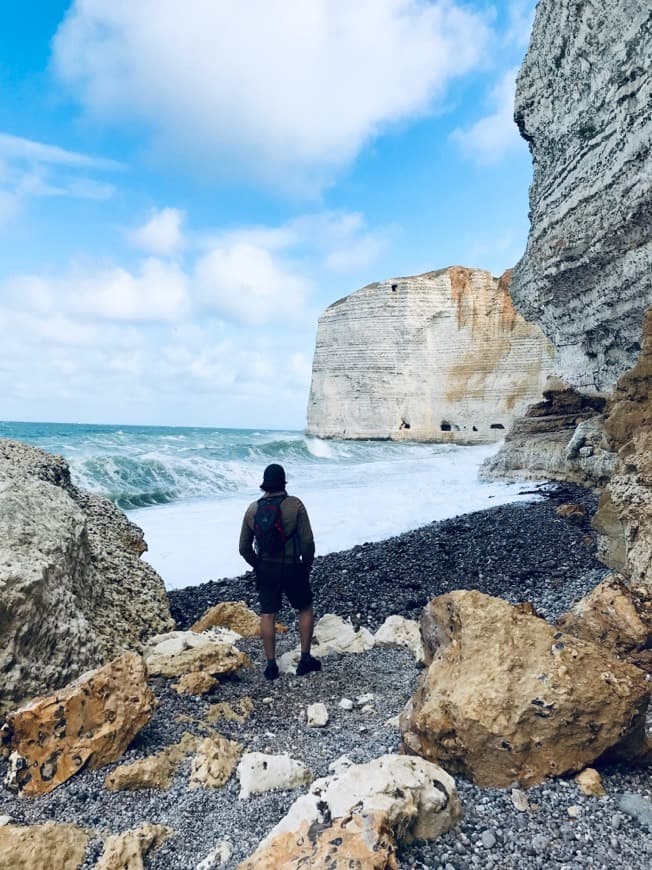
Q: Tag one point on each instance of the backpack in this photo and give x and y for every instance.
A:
(268, 526)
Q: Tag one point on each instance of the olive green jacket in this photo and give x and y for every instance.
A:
(300, 544)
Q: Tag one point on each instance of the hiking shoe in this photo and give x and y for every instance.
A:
(308, 664)
(271, 672)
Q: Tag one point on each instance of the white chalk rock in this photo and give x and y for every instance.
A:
(259, 772)
(173, 642)
(346, 704)
(398, 631)
(332, 636)
(317, 715)
(416, 797)
(336, 635)
(217, 857)
(340, 764)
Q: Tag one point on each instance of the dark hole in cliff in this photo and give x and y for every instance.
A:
(475, 428)
(496, 426)
(445, 426)
(394, 288)
(404, 424)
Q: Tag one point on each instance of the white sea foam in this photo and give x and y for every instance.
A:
(349, 503)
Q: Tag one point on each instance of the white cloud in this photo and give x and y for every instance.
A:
(15, 148)
(284, 89)
(157, 291)
(162, 234)
(245, 282)
(494, 136)
(30, 170)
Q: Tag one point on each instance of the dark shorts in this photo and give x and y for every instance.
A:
(275, 579)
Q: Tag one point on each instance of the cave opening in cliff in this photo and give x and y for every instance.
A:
(394, 288)
(496, 426)
(445, 426)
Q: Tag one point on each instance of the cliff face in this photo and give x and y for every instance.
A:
(583, 103)
(74, 591)
(440, 357)
(624, 517)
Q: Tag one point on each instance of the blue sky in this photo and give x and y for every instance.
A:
(184, 187)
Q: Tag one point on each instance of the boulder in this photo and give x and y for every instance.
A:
(195, 683)
(234, 615)
(361, 841)
(214, 762)
(211, 657)
(126, 851)
(259, 772)
(42, 847)
(392, 799)
(75, 592)
(89, 723)
(333, 635)
(398, 631)
(617, 616)
(155, 771)
(508, 697)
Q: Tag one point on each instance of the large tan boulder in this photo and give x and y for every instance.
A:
(361, 841)
(617, 616)
(75, 592)
(42, 847)
(508, 697)
(234, 615)
(391, 799)
(89, 723)
(126, 851)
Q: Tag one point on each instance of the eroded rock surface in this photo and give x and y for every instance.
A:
(509, 698)
(617, 616)
(42, 847)
(402, 798)
(583, 101)
(624, 517)
(440, 357)
(88, 723)
(126, 851)
(74, 591)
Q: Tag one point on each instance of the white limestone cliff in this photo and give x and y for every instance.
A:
(441, 356)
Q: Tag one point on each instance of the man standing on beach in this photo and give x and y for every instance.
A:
(276, 540)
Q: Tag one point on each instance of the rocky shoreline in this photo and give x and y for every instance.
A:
(520, 552)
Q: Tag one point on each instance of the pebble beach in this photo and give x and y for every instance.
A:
(521, 552)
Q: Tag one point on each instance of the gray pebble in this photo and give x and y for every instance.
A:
(488, 839)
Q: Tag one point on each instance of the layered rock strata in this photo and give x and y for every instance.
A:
(562, 437)
(508, 697)
(74, 590)
(583, 101)
(439, 357)
(624, 517)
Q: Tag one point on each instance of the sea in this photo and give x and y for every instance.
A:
(188, 488)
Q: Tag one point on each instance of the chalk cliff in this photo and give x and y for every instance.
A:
(441, 356)
(74, 591)
(583, 101)
(584, 104)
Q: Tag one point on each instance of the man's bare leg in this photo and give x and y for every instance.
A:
(268, 634)
(306, 626)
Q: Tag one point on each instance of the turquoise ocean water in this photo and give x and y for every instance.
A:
(188, 487)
